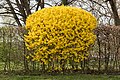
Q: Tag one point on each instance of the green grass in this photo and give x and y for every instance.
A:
(61, 77)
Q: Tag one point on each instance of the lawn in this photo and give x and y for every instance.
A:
(61, 77)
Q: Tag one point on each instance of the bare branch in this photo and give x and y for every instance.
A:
(9, 24)
(13, 12)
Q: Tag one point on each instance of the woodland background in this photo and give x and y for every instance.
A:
(104, 55)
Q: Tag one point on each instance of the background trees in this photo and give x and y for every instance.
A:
(19, 9)
(105, 54)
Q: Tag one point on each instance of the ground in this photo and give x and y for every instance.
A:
(61, 77)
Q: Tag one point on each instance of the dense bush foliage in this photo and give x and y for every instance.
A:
(60, 36)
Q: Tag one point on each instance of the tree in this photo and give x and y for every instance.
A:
(115, 12)
(105, 11)
(20, 9)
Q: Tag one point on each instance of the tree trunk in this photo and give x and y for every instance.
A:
(115, 12)
(65, 2)
(25, 60)
(99, 46)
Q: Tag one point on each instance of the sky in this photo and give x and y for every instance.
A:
(1, 21)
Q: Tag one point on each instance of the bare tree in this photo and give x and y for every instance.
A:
(105, 11)
(20, 9)
(115, 12)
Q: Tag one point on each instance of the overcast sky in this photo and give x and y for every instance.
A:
(0, 21)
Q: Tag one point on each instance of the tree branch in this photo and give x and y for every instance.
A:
(115, 12)
(13, 12)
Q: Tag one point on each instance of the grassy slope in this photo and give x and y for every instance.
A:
(61, 77)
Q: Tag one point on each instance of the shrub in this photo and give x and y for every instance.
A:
(59, 36)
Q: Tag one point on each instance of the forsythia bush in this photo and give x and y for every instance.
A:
(59, 36)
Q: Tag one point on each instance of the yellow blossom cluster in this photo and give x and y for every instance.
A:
(60, 35)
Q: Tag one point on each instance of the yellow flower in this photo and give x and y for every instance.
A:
(60, 33)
